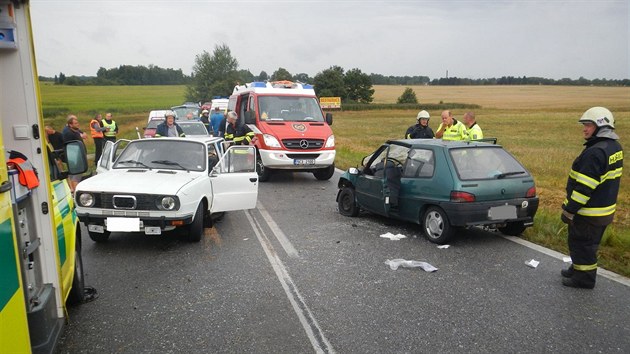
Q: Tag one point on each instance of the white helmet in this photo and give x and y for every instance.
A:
(601, 116)
(423, 114)
(169, 114)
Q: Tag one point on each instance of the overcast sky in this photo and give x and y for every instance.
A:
(471, 39)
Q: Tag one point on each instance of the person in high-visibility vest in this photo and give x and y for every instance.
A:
(450, 128)
(97, 130)
(240, 135)
(591, 198)
(473, 130)
(112, 128)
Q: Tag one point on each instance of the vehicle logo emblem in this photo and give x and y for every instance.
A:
(299, 127)
(304, 144)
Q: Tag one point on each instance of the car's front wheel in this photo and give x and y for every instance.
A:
(99, 237)
(435, 225)
(324, 174)
(195, 229)
(515, 228)
(264, 173)
(346, 202)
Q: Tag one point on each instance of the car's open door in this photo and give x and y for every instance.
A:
(111, 150)
(234, 180)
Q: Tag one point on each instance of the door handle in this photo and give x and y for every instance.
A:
(253, 179)
(6, 186)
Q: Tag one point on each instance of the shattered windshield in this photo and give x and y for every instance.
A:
(164, 155)
(290, 108)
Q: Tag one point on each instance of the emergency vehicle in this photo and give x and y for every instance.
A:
(40, 238)
(291, 129)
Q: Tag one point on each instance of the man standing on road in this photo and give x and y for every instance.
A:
(421, 130)
(97, 130)
(215, 120)
(112, 128)
(240, 135)
(450, 128)
(473, 130)
(592, 189)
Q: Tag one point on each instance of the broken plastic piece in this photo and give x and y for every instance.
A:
(393, 237)
(395, 263)
(532, 263)
(566, 259)
(89, 294)
(443, 246)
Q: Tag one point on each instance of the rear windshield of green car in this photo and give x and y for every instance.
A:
(478, 163)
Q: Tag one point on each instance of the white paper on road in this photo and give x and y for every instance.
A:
(443, 246)
(395, 263)
(393, 237)
(566, 259)
(532, 263)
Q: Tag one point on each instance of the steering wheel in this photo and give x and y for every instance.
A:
(395, 161)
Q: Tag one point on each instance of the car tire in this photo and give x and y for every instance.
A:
(513, 228)
(264, 173)
(195, 229)
(78, 280)
(98, 237)
(324, 174)
(347, 203)
(436, 226)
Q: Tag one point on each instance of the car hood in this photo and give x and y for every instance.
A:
(297, 130)
(138, 181)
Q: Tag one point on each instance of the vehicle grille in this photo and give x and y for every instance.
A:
(126, 201)
(303, 156)
(303, 144)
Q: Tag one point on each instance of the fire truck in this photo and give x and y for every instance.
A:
(40, 240)
(291, 129)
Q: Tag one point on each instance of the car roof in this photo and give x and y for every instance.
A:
(418, 143)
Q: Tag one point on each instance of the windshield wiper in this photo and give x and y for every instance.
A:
(505, 174)
(169, 163)
(134, 162)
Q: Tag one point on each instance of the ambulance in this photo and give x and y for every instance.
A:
(40, 240)
(292, 131)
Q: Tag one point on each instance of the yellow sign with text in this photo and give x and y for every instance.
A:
(330, 102)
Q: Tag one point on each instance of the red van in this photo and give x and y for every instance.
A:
(293, 133)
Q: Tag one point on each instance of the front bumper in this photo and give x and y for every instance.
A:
(290, 160)
(477, 213)
(98, 222)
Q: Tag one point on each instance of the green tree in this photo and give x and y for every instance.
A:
(263, 76)
(408, 96)
(303, 78)
(213, 75)
(62, 78)
(246, 76)
(281, 74)
(358, 86)
(329, 83)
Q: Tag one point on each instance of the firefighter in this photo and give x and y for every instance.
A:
(592, 189)
(168, 128)
(240, 135)
(421, 130)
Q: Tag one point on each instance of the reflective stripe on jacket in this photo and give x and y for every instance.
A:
(112, 128)
(474, 132)
(457, 131)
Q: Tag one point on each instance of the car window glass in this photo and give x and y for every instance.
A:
(194, 128)
(163, 154)
(106, 154)
(485, 163)
(420, 163)
(290, 108)
(377, 162)
(213, 156)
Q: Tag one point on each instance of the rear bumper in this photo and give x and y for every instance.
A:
(290, 160)
(477, 213)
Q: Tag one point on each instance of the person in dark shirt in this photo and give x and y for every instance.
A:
(54, 137)
(72, 132)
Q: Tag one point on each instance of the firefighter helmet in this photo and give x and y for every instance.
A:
(599, 116)
(169, 114)
(423, 114)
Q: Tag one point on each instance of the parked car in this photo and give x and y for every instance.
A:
(184, 109)
(193, 128)
(149, 130)
(443, 186)
(159, 114)
(157, 185)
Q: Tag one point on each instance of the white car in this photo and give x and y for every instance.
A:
(157, 185)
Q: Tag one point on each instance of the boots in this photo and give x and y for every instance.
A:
(567, 273)
(578, 279)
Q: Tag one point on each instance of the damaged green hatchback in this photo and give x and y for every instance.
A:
(442, 186)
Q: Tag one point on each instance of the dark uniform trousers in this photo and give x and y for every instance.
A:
(584, 239)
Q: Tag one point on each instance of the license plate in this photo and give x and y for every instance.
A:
(96, 228)
(123, 224)
(152, 230)
(503, 212)
(304, 162)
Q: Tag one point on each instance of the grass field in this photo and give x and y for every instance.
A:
(538, 124)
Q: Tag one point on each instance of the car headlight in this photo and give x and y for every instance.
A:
(167, 203)
(86, 199)
(330, 142)
(271, 141)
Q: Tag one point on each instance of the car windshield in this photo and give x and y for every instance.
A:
(181, 112)
(290, 108)
(477, 162)
(153, 123)
(163, 154)
(196, 128)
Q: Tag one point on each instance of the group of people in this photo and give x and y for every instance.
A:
(449, 129)
(213, 122)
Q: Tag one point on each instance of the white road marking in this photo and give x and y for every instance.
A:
(600, 271)
(282, 238)
(308, 321)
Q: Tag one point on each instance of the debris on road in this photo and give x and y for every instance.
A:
(393, 237)
(566, 259)
(532, 263)
(395, 263)
(443, 246)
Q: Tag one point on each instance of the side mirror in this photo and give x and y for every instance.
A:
(214, 172)
(250, 118)
(76, 157)
(353, 171)
(329, 118)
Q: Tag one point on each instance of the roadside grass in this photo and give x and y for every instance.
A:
(537, 124)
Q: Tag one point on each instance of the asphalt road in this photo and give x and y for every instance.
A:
(294, 276)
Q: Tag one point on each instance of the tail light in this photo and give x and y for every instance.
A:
(531, 192)
(462, 197)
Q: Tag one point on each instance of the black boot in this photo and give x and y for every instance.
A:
(585, 280)
(567, 273)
